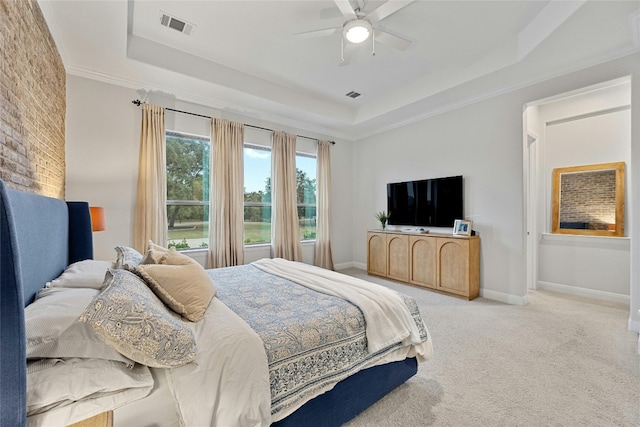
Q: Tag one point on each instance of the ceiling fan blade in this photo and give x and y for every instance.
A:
(392, 40)
(317, 33)
(388, 8)
(347, 54)
(346, 9)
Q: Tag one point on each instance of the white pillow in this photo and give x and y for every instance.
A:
(82, 274)
(99, 385)
(53, 330)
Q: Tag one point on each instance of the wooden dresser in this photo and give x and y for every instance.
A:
(442, 262)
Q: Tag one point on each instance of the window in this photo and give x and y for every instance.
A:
(187, 190)
(306, 188)
(257, 194)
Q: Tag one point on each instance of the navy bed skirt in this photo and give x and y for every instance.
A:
(351, 396)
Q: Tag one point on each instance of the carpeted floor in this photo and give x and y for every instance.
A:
(559, 361)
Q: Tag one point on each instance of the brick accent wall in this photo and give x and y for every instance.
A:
(589, 197)
(32, 102)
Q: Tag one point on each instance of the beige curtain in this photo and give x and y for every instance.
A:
(323, 256)
(151, 204)
(285, 232)
(226, 214)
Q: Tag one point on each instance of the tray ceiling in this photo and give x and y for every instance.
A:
(243, 57)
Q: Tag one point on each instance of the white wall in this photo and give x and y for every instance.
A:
(103, 133)
(483, 142)
(585, 129)
(102, 156)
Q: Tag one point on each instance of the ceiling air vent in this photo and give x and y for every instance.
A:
(354, 94)
(175, 23)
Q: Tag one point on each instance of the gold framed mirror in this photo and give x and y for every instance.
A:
(589, 200)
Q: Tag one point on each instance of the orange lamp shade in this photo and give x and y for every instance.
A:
(97, 218)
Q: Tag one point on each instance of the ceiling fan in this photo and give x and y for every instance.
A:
(360, 26)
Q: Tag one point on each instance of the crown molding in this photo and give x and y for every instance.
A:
(483, 96)
(356, 135)
(222, 106)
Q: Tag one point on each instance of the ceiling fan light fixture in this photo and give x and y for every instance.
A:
(357, 31)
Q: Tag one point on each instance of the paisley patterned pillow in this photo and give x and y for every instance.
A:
(132, 320)
(127, 257)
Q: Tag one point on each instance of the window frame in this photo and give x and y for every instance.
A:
(204, 203)
(269, 204)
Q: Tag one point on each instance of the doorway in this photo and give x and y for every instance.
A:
(556, 133)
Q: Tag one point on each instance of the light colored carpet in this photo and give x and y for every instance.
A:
(559, 361)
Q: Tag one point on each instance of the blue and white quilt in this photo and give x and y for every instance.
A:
(312, 339)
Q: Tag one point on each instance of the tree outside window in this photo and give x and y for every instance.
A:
(257, 194)
(187, 190)
(306, 189)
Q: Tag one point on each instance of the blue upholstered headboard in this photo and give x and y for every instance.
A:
(39, 237)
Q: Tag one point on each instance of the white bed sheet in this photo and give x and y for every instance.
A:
(198, 388)
(158, 409)
(227, 386)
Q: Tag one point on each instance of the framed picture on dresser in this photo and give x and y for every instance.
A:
(462, 227)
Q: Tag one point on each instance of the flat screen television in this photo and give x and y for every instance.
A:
(430, 202)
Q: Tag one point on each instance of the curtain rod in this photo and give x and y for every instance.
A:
(139, 103)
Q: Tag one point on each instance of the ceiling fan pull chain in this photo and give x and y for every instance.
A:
(373, 42)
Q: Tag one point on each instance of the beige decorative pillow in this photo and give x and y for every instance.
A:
(154, 253)
(173, 257)
(181, 283)
(133, 321)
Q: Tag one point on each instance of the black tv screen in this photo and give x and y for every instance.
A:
(434, 202)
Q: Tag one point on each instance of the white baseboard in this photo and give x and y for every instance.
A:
(343, 266)
(352, 264)
(360, 265)
(584, 292)
(502, 297)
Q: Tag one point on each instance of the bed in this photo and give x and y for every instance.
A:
(42, 238)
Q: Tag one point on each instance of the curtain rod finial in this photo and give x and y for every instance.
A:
(137, 102)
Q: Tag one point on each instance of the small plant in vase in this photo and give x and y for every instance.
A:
(383, 217)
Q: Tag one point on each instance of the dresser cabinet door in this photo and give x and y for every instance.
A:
(398, 257)
(423, 253)
(453, 266)
(377, 254)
